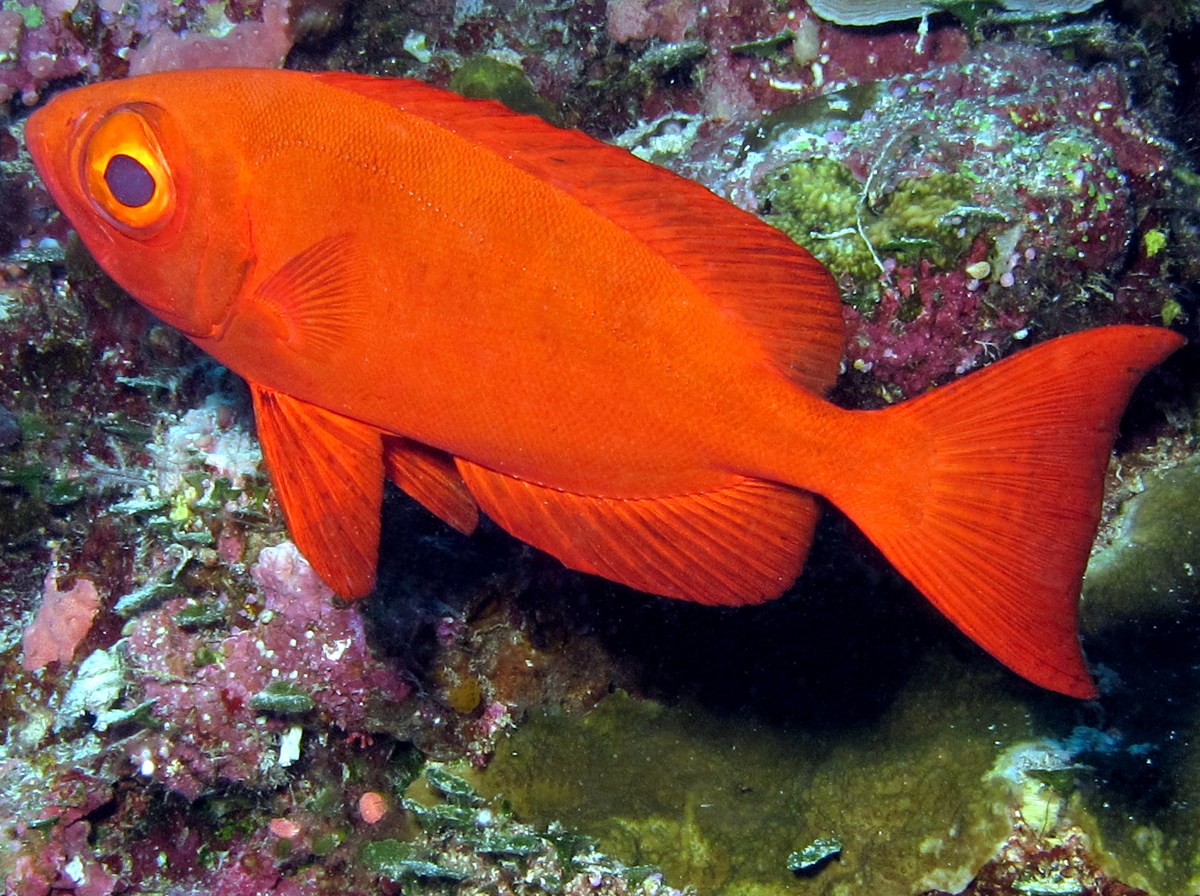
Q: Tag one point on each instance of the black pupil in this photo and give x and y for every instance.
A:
(129, 181)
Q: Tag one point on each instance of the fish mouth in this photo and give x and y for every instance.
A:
(46, 138)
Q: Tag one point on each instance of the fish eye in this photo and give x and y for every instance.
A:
(126, 173)
(129, 181)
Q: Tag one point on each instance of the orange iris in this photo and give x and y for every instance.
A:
(127, 175)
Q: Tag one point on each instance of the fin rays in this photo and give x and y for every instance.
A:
(742, 542)
(315, 295)
(989, 491)
(328, 475)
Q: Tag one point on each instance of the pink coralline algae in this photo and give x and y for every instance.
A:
(44, 42)
(669, 20)
(44, 831)
(295, 645)
(62, 622)
(262, 44)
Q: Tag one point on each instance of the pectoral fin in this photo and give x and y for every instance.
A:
(317, 296)
(328, 473)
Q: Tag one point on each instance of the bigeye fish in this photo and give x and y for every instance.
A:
(613, 363)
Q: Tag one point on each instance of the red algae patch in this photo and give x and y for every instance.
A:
(62, 622)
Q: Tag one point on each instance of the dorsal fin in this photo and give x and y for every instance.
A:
(751, 270)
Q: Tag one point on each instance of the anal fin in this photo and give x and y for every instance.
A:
(740, 543)
(430, 477)
(328, 474)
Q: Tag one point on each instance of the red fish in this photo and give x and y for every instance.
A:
(616, 365)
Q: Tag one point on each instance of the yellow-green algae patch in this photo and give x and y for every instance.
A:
(821, 205)
(1151, 568)
(920, 796)
(721, 802)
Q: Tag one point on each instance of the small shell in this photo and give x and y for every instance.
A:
(284, 828)
(372, 807)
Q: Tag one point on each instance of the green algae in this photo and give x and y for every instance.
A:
(454, 788)
(923, 218)
(149, 595)
(1151, 570)
(200, 614)
(503, 843)
(401, 861)
(31, 15)
(483, 77)
(31, 491)
(821, 205)
(461, 836)
(662, 62)
(441, 815)
(811, 857)
(1153, 241)
(765, 47)
(817, 203)
(282, 698)
(722, 802)
(827, 110)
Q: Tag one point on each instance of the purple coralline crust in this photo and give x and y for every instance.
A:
(73, 39)
(35, 57)
(1064, 179)
(208, 729)
(326, 639)
(44, 834)
(930, 346)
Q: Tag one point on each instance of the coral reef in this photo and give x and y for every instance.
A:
(214, 721)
